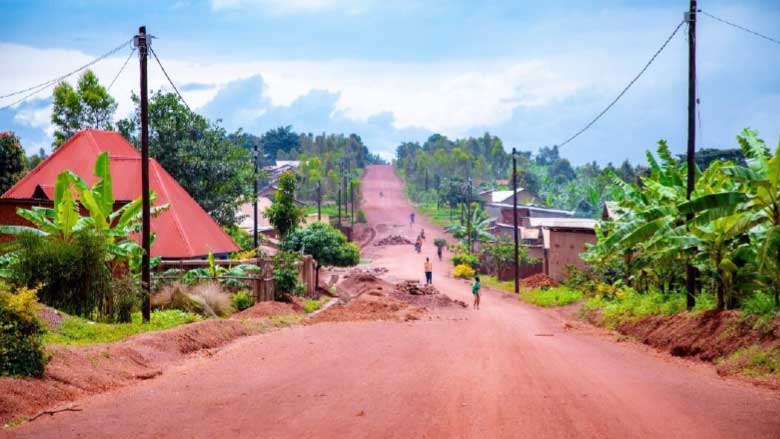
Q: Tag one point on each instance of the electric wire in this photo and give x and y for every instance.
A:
(169, 79)
(742, 28)
(40, 87)
(121, 69)
(627, 87)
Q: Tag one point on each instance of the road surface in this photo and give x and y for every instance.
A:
(463, 374)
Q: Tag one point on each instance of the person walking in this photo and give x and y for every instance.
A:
(428, 271)
(439, 251)
(411, 219)
(475, 287)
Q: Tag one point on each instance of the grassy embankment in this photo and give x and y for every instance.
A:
(78, 331)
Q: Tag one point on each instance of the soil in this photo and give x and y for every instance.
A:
(393, 240)
(374, 305)
(538, 280)
(455, 373)
(74, 372)
(268, 309)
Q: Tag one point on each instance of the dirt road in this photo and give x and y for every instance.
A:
(461, 374)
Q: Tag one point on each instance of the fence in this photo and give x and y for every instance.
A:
(261, 283)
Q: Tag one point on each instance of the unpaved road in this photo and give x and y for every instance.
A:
(462, 374)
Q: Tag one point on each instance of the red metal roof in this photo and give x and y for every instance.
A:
(184, 231)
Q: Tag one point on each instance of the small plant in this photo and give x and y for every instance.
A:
(242, 300)
(463, 271)
(214, 297)
(21, 348)
(361, 217)
(311, 305)
(557, 296)
(465, 259)
(285, 274)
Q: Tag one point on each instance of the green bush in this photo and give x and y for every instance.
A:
(629, 305)
(126, 297)
(72, 275)
(465, 259)
(286, 274)
(242, 300)
(312, 305)
(361, 217)
(759, 303)
(21, 348)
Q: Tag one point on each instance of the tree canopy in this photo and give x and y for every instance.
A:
(13, 163)
(87, 106)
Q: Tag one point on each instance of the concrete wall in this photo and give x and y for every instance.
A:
(565, 248)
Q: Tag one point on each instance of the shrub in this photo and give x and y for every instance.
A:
(759, 303)
(72, 275)
(465, 259)
(361, 217)
(311, 305)
(242, 300)
(21, 348)
(126, 296)
(214, 297)
(285, 274)
(463, 271)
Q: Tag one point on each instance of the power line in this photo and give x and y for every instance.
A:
(742, 28)
(169, 79)
(614, 101)
(40, 87)
(120, 70)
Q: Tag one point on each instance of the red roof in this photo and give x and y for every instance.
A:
(183, 231)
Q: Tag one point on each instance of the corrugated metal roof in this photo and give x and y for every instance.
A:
(572, 223)
(184, 231)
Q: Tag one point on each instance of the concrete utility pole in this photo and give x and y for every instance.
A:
(690, 281)
(142, 43)
(514, 218)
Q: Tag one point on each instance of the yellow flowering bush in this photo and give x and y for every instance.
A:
(21, 347)
(463, 271)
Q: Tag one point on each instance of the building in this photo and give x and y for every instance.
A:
(185, 230)
(558, 242)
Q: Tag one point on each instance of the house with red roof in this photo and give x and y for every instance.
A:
(183, 231)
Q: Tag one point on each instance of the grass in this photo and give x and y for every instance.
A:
(440, 217)
(628, 305)
(755, 361)
(312, 305)
(507, 286)
(78, 331)
(330, 210)
(558, 296)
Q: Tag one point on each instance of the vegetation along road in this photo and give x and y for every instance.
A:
(507, 370)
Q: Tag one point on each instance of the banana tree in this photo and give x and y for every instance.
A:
(476, 229)
(63, 220)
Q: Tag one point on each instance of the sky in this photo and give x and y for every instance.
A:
(530, 72)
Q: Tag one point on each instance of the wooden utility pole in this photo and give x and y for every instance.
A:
(142, 43)
(514, 220)
(254, 203)
(319, 201)
(468, 218)
(690, 281)
(352, 199)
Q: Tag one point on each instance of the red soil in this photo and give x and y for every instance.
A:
(538, 280)
(267, 309)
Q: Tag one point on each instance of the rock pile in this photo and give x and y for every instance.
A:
(393, 240)
(414, 288)
(427, 296)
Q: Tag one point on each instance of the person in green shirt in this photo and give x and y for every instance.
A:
(475, 291)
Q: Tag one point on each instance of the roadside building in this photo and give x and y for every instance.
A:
(185, 230)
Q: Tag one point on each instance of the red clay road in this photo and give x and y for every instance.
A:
(462, 374)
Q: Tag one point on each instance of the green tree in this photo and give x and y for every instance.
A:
(12, 160)
(214, 170)
(284, 214)
(325, 244)
(282, 139)
(87, 106)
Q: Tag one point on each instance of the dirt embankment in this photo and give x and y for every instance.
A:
(717, 337)
(77, 371)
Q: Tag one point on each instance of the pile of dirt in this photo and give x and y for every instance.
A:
(375, 271)
(374, 305)
(538, 280)
(393, 240)
(267, 309)
(710, 336)
(359, 283)
(427, 296)
(75, 372)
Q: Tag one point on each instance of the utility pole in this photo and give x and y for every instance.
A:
(468, 217)
(690, 281)
(142, 43)
(319, 201)
(352, 199)
(254, 203)
(514, 219)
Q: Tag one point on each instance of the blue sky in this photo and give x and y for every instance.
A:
(531, 72)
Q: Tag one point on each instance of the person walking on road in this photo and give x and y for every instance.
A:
(475, 287)
(428, 271)
(411, 219)
(439, 251)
